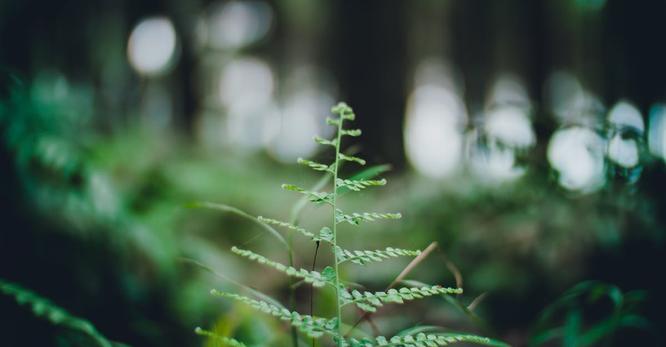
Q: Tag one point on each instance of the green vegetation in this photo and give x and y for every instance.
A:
(568, 320)
(334, 327)
(45, 309)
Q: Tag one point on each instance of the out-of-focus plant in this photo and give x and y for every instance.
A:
(45, 309)
(318, 327)
(46, 124)
(589, 314)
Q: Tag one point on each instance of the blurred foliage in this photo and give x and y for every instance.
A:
(107, 206)
(45, 309)
(591, 314)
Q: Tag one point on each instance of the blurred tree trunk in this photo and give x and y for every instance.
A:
(369, 60)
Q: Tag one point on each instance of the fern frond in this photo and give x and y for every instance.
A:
(316, 197)
(368, 301)
(423, 340)
(225, 341)
(357, 185)
(314, 165)
(56, 315)
(357, 218)
(351, 158)
(286, 225)
(313, 277)
(311, 326)
(367, 256)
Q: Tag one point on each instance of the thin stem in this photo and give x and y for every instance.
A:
(292, 298)
(314, 263)
(335, 233)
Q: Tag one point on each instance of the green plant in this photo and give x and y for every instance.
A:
(319, 327)
(589, 314)
(56, 315)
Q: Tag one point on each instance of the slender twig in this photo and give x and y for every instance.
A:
(314, 263)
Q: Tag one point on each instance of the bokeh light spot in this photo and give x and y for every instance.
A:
(152, 46)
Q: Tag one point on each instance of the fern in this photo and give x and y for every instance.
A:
(56, 315)
(318, 327)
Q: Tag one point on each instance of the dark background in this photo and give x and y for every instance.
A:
(370, 49)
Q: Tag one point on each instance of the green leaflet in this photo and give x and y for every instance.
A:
(423, 340)
(357, 185)
(367, 256)
(356, 218)
(326, 234)
(314, 165)
(325, 142)
(351, 158)
(351, 132)
(45, 309)
(369, 301)
(225, 341)
(286, 225)
(312, 326)
(331, 121)
(313, 277)
(342, 108)
(316, 197)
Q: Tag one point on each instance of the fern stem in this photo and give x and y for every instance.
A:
(335, 233)
(314, 263)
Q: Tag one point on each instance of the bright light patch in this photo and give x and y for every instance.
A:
(237, 24)
(434, 121)
(623, 152)
(151, 48)
(624, 114)
(243, 125)
(246, 87)
(511, 126)
(433, 138)
(577, 154)
(246, 82)
(626, 128)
